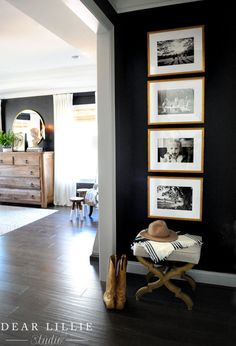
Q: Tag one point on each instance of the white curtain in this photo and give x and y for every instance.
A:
(65, 185)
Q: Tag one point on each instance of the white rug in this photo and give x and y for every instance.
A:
(12, 218)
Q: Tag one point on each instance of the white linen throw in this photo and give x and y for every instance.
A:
(159, 251)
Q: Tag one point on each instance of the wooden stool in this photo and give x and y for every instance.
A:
(176, 265)
(164, 274)
(77, 203)
(82, 193)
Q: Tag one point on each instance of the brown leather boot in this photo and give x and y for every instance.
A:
(109, 295)
(121, 283)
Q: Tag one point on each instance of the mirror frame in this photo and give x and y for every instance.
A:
(42, 125)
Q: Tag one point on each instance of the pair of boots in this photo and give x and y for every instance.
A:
(115, 294)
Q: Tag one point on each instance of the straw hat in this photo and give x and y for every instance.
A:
(158, 231)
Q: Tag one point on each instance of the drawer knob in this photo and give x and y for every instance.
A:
(32, 184)
(32, 196)
(1, 161)
(31, 172)
(26, 161)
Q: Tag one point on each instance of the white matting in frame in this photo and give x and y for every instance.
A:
(176, 101)
(176, 150)
(175, 198)
(176, 51)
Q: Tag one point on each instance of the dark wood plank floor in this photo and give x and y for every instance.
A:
(47, 279)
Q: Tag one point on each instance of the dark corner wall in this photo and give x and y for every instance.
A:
(44, 106)
(41, 104)
(218, 226)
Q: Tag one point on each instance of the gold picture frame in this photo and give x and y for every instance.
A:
(176, 150)
(176, 51)
(175, 198)
(176, 101)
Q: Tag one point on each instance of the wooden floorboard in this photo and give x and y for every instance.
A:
(47, 278)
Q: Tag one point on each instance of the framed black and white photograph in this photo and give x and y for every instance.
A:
(19, 141)
(176, 51)
(176, 101)
(175, 198)
(176, 150)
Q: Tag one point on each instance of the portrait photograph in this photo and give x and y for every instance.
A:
(175, 198)
(176, 150)
(176, 101)
(176, 51)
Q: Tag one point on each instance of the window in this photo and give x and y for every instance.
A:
(83, 139)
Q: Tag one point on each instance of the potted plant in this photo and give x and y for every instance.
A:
(7, 140)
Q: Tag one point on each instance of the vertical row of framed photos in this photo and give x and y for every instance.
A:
(180, 102)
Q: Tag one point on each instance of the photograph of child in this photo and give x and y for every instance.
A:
(176, 150)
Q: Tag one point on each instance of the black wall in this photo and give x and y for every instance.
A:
(41, 104)
(108, 10)
(218, 226)
(44, 106)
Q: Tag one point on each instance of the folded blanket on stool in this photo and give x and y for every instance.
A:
(159, 251)
(91, 197)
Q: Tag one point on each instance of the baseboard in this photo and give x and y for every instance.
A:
(214, 278)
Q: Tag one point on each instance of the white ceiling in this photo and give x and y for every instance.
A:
(37, 42)
(39, 37)
(133, 5)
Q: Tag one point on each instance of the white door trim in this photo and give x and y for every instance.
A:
(106, 137)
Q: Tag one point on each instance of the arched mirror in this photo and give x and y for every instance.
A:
(30, 124)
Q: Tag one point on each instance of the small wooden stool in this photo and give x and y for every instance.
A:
(164, 274)
(176, 265)
(81, 192)
(77, 203)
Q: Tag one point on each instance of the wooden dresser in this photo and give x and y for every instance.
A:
(27, 177)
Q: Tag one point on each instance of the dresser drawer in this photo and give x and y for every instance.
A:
(17, 195)
(6, 159)
(26, 159)
(21, 171)
(27, 178)
(20, 183)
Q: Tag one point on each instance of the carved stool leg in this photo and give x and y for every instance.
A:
(149, 288)
(179, 294)
(164, 278)
(190, 280)
(149, 276)
(151, 285)
(179, 271)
